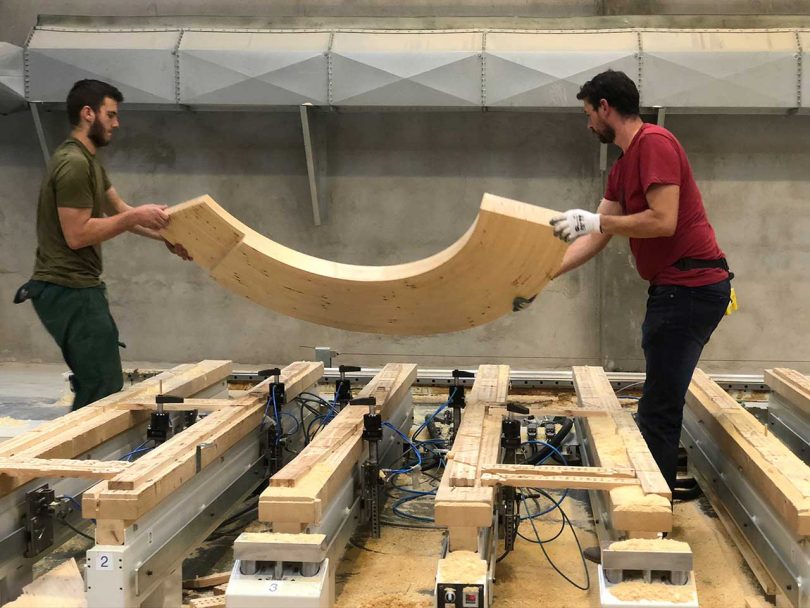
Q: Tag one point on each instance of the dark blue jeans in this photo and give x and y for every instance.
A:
(679, 322)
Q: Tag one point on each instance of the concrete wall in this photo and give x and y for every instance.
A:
(402, 186)
(17, 17)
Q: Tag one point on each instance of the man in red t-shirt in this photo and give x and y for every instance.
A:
(652, 199)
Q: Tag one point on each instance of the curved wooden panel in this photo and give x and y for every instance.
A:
(509, 251)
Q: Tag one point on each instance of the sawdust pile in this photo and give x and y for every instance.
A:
(462, 567)
(395, 571)
(651, 544)
(633, 499)
(394, 601)
(8, 421)
(660, 592)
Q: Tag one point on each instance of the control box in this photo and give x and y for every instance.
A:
(457, 595)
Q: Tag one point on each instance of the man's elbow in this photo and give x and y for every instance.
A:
(669, 230)
(74, 242)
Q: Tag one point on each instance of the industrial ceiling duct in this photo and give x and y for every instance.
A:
(12, 88)
(708, 70)
(140, 63)
(526, 70)
(717, 71)
(401, 69)
(253, 68)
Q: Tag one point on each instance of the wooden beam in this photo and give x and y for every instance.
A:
(55, 467)
(491, 385)
(207, 581)
(557, 482)
(202, 405)
(594, 390)
(778, 475)
(212, 601)
(556, 471)
(462, 504)
(299, 492)
(790, 385)
(78, 432)
(510, 248)
(616, 443)
(264, 546)
(63, 586)
(160, 472)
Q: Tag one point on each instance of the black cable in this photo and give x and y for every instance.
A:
(75, 529)
(395, 524)
(555, 441)
(579, 547)
(685, 495)
(361, 546)
(562, 521)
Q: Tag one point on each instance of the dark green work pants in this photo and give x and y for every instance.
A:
(80, 322)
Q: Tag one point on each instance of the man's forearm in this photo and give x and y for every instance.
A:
(644, 225)
(99, 229)
(147, 232)
(582, 250)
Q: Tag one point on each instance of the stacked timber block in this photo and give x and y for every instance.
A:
(128, 496)
(776, 473)
(616, 443)
(299, 494)
(50, 450)
(638, 495)
(463, 504)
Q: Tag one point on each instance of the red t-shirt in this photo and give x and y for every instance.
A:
(656, 157)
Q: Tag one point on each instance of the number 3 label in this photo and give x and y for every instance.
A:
(273, 587)
(104, 562)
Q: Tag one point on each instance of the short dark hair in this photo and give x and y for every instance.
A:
(91, 93)
(616, 88)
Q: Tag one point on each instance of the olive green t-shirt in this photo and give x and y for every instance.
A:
(74, 178)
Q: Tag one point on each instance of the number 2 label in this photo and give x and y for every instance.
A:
(104, 562)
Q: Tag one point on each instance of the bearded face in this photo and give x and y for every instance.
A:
(598, 126)
(105, 122)
(99, 134)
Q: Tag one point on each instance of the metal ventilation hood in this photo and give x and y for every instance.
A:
(683, 70)
(12, 93)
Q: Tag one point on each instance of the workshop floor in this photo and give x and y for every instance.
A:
(397, 570)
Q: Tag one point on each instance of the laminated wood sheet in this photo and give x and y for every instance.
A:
(509, 251)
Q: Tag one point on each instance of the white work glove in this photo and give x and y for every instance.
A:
(575, 223)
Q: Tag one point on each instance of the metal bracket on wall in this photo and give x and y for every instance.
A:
(662, 115)
(314, 131)
(43, 144)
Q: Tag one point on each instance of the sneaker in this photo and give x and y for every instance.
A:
(593, 554)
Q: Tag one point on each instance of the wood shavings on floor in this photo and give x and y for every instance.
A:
(651, 544)
(633, 591)
(401, 564)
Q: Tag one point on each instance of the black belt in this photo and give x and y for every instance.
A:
(694, 263)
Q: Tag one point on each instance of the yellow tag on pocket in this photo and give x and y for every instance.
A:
(732, 303)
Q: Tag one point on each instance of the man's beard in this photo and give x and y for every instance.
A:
(96, 134)
(607, 135)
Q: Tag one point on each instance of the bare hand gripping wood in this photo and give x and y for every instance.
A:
(509, 251)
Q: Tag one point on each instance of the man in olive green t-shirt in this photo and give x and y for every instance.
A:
(79, 209)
